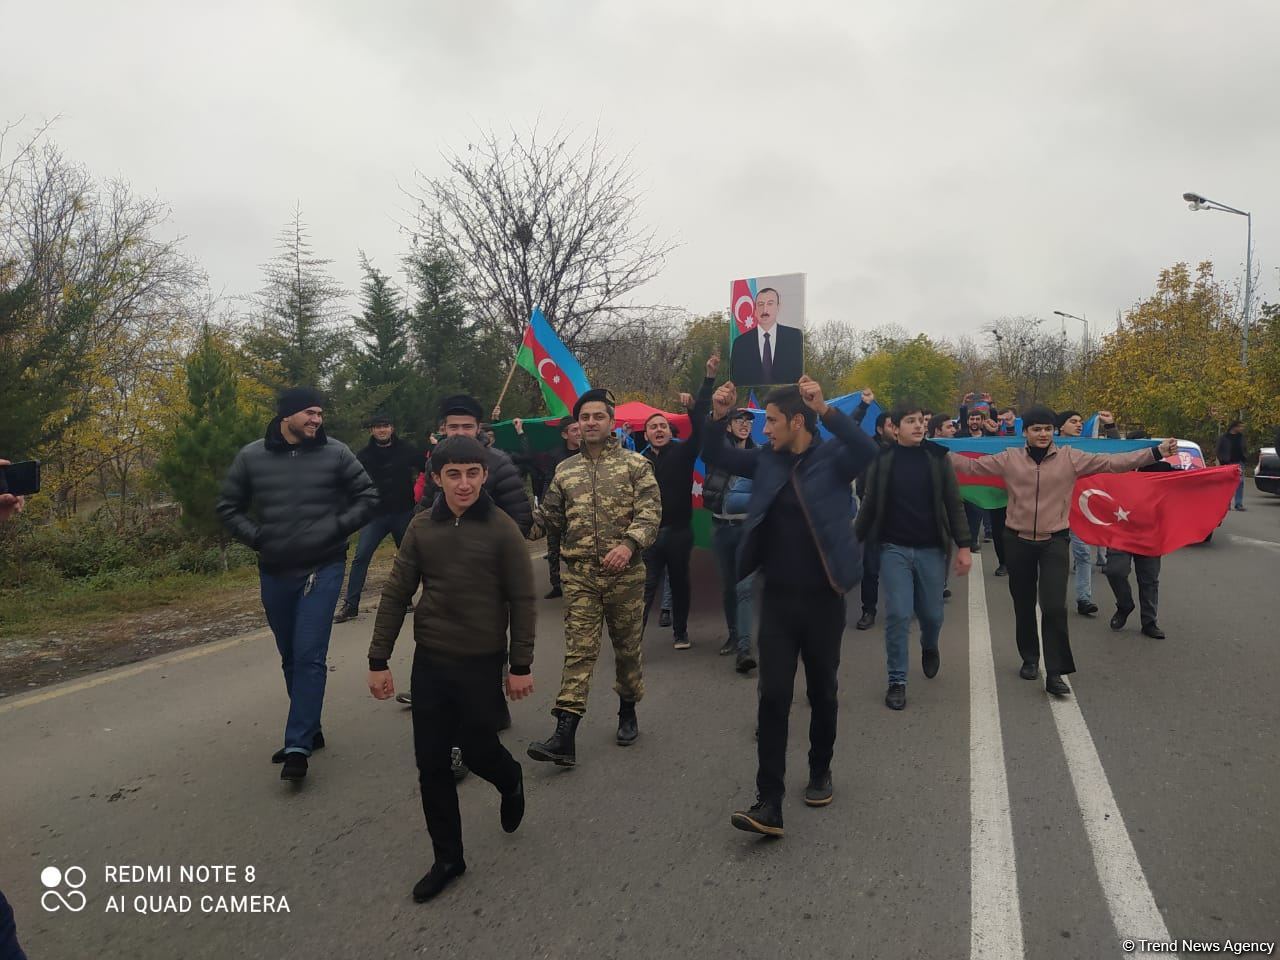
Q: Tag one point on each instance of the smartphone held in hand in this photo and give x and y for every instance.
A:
(20, 479)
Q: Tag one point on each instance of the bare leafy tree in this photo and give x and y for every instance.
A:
(542, 222)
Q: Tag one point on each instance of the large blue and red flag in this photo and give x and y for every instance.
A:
(549, 362)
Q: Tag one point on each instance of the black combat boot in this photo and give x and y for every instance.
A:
(558, 748)
(628, 730)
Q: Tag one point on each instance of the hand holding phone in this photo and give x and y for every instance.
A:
(20, 479)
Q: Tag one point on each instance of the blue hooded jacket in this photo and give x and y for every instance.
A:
(822, 481)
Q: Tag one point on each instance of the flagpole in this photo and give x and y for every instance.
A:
(497, 406)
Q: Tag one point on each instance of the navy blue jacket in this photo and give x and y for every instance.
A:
(823, 481)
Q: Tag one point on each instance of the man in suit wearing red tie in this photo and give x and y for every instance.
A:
(769, 352)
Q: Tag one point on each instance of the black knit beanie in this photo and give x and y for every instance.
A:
(297, 399)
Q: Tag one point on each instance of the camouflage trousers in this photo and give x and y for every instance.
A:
(593, 599)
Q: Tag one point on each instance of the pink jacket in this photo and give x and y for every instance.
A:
(1040, 493)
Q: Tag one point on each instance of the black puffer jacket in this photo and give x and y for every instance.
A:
(392, 468)
(296, 505)
(504, 486)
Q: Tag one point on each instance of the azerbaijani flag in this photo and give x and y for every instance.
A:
(742, 301)
(989, 492)
(550, 363)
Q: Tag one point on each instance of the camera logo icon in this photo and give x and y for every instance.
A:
(53, 899)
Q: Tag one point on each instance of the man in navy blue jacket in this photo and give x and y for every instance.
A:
(799, 535)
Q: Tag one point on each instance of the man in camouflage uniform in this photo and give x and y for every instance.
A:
(603, 504)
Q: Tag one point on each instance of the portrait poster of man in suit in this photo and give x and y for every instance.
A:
(767, 329)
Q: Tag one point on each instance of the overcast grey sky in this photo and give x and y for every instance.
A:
(926, 163)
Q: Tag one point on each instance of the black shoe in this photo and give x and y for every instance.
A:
(818, 791)
(930, 660)
(406, 698)
(437, 878)
(504, 718)
(512, 809)
(456, 765)
(745, 663)
(1120, 617)
(664, 618)
(1086, 608)
(682, 641)
(1153, 631)
(295, 767)
(763, 818)
(729, 646)
(1053, 683)
(628, 729)
(946, 594)
(558, 748)
(553, 593)
(986, 537)
(1030, 670)
(896, 697)
(346, 612)
(1240, 507)
(1002, 571)
(866, 621)
(317, 743)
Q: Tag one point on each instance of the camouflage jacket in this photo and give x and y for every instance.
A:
(594, 504)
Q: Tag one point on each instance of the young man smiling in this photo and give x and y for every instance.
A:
(798, 533)
(1039, 478)
(295, 496)
(477, 581)
(912, 514)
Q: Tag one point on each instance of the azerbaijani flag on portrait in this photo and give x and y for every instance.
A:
(742, 298)
(550, 363)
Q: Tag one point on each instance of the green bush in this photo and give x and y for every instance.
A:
(98, 556)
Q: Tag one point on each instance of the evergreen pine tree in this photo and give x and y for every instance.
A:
(206, 438)
(297, 314)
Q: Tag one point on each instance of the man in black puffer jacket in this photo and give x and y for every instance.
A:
(392, 464)
(295, 497)
(460, 416)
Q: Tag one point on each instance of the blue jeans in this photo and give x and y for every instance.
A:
(666, 592)
(299, 610)
(371, 536)
(1240, 488)
(912, 579)
(736, 595)
(1082, 553)
(976, 517)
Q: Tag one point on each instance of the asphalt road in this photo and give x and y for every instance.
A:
(982, 821)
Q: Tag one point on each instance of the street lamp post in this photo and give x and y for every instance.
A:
(1072, 316)
(1197, 202)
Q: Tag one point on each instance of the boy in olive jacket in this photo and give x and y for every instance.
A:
(477, 581)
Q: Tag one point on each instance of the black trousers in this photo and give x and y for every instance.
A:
(1148, 572)
(809, 625)
(670, 554)
(453, 706)
(870, 578)
(1039, 569)
(553, 559)
(997, 531)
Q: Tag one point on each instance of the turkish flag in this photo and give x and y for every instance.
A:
(1151, 514)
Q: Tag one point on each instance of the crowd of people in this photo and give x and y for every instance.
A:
(798, 522)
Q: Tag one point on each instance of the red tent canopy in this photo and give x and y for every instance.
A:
(634, 415)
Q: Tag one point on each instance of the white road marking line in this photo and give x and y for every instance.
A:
(156, 663)
(1133, 909)
(996, 909)
(1251, 542)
